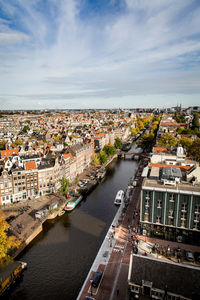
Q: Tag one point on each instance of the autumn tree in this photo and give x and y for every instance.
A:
(167, 139)
(146, 141)
(185, 142)
(7, 243)
(95, 160)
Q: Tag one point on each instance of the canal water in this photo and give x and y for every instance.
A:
(60, 257)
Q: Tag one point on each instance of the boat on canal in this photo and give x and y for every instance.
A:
(9, 274)
(126, 147)
(119, 197)
(73, 203)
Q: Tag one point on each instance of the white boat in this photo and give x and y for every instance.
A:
(119, 197)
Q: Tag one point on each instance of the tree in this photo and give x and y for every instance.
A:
(140, 125)
(64, 186)
(195, 121)
(167, 140)
(102, 157)
(185, 142)
(109, 150)
(6, 242)
(95, 160)
(146, 140)
(58, 138)
(194, 150)
(2, 145)
(118, 143)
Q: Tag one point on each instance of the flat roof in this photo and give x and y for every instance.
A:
(187, 187)
(179, 278)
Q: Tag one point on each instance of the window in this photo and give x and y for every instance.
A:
(184, 207)
(171, 197)
(158, 219)
(159, 204)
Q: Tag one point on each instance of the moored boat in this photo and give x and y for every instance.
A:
(119, 197)
(126, 147)
(9, 274)
(73, 203)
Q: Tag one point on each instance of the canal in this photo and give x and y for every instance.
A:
(60, 257)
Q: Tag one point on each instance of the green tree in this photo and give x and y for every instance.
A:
(195, 121)
(2, 145)
(118, 143)
(7, 243)
(194, 150)
(64, 186)
(109, 150)
(167, 140)
(185, 142)
(102, 157)
(146, 140)
(95, 160)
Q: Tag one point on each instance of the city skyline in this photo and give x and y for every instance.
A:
(99, 54)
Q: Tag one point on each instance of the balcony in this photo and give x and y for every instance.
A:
(183, 210)
(183, 218)
(170, 217)
(171, 200)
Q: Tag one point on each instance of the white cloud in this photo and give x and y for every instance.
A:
(67, 57)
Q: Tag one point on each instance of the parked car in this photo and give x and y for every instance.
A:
(189, 255)
(97, 278)
(197, 256)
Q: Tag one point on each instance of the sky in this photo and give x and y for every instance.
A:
(66, 54)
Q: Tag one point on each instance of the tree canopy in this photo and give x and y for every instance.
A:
(64, 186)
(6, 242)
(102, 157)
(95, 160)
(109, 150)
(194, 150)
(167, 140)
(118, 143)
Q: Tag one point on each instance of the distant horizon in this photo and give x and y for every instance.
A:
(99, 54)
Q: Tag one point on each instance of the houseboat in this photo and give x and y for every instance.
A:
(9, 274)
(73, 203)
(119, 197)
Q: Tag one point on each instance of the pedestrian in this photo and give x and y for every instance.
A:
(117, 292)
(150, 251)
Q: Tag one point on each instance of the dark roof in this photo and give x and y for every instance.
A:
(8, 270)
(180, 279)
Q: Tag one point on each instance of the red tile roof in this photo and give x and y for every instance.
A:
(160, 149)
(7, 153)
(30, 165)
(182, 168)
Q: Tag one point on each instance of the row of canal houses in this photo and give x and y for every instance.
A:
(34, 168)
